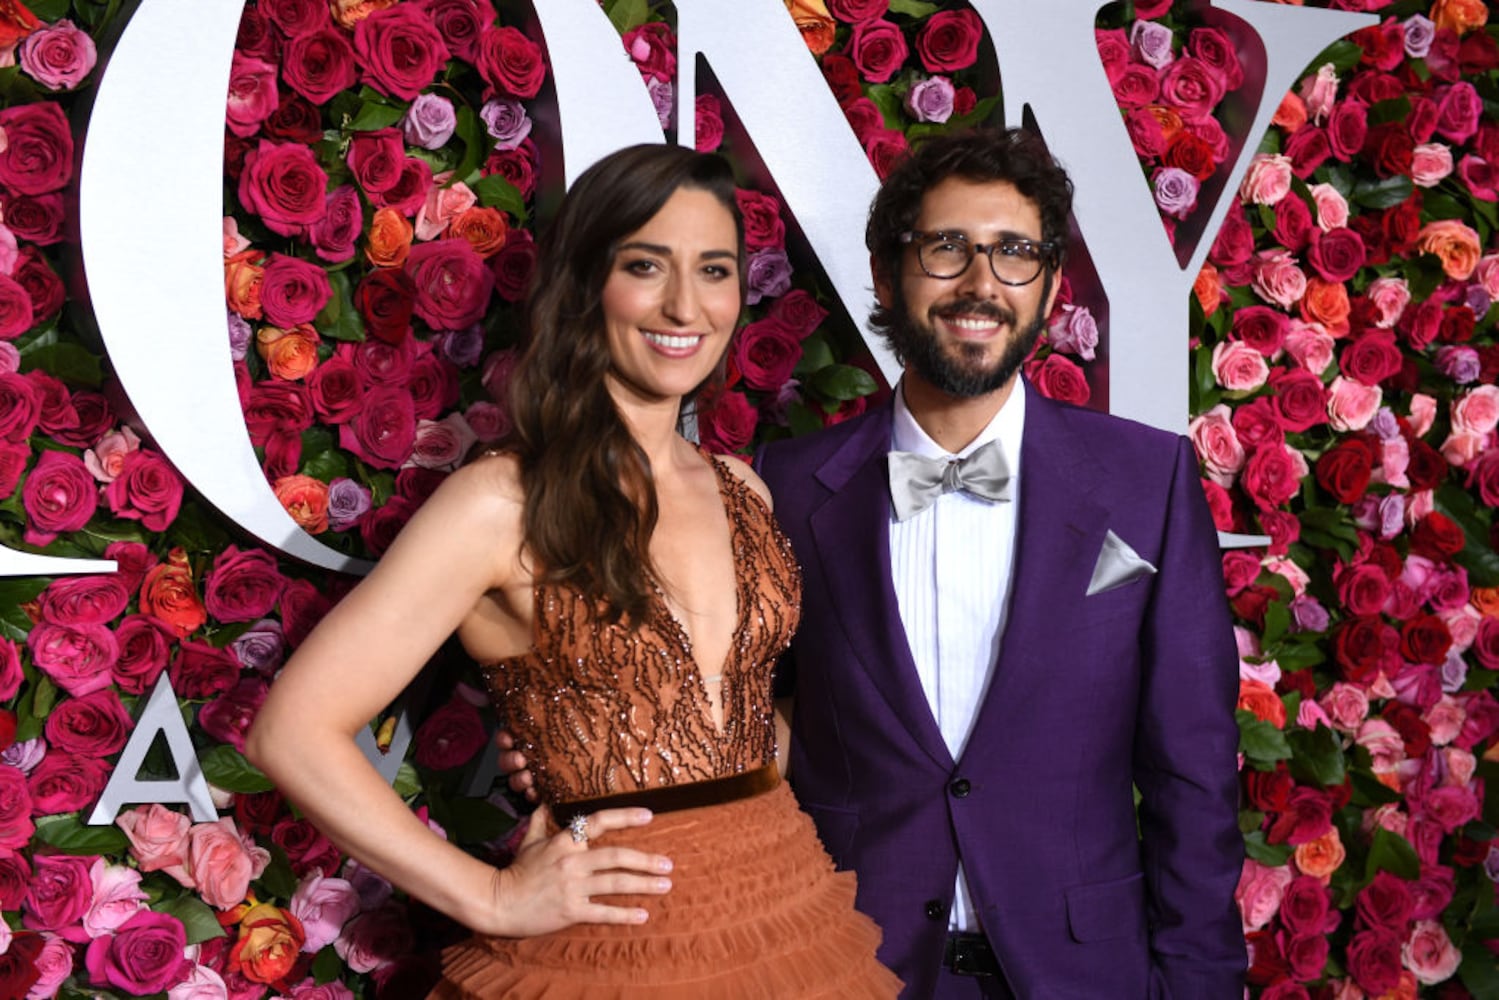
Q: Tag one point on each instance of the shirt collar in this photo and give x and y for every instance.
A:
(1006, 425)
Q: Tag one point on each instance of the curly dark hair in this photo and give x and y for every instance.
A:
(590, 498)
(1016, 155)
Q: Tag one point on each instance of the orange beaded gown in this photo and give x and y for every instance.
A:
(755, 909)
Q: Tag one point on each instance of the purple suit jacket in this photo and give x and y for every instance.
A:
(1091, 694)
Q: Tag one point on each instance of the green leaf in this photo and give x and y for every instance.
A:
(408, 783)
(842, 382)
(339, 319)
(326, 966)
(1261, 742)
(325, 465)
(1277, 621)
(1343, 54)
(1382, 194)
(627, 14)
(915, 9)
(70, 836)
(802, 420)
(888, 101)
(495, 191)
(1369, 791)
(1440, 205)
(49, 10)
(1317, 757)
(816, 355)
(470, 132)
(227, 768)
(1266, 853)
(197, 916)
(278, 879)
(476, 821)
(372, 117)
(71, 363)
(1394, 110)
(1479, 972)
(1299, 655)
(1481, 561)
(1392, 853)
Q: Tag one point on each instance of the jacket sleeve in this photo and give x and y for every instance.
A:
(1185, 763)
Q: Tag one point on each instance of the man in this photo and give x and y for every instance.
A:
(979, 682)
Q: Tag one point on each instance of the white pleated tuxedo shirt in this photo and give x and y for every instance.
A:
(952, 565)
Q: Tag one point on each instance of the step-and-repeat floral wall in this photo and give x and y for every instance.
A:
(380, 177)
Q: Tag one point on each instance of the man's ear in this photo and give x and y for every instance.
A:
(884, 293)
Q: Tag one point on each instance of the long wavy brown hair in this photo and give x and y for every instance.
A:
(590, 498)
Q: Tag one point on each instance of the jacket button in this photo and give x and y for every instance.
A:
(960, 788)
(935, 910)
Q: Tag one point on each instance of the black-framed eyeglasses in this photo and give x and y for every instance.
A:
(1013, 261)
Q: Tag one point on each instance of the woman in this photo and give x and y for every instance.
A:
(626, 595)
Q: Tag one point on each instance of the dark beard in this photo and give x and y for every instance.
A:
(961, 374)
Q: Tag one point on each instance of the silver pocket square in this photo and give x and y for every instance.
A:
(1117, 565)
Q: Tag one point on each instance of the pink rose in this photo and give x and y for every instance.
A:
(1332, 207)
(147, 489)
(1260, 891)
(1351, 405)
(1273, 475)
(1217, 445)
(452, 283)
(878, 48)
(1277, 279)
(1389, 297)
(242, 586)
(77, 658)
(1238, 367)
(319, 63)
(1347, 705)
(65, 782)
(1262, 328)
(1308, 344)
(105, 459)
(293, 291)
(143, 957)
(59, 56)
(84, 600)
(652, 47)
(59, 893)
(201, 671)
(1337, 254)
(59, 496)
(38, 153)
(375, 159)
(1192, 87)
(54, 964)
(252, 94)
(1059, 378)
(202, 983)
(283, 184)
(16, 828)
(1320, 92)
(158, 839)
(444, 203)
(442, 444)
(1429, 953)
(219, 863)
(1074, 331)
(763, 227)
(323, 905)
(117, 897)
(1477, 411)
(1431, 163)
(1268, 179)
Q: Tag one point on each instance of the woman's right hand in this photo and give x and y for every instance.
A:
(554, 878)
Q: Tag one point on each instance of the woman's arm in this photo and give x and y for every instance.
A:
(464, 542)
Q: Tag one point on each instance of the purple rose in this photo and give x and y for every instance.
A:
(347, 503)
(463, 347)
(59, 56)
(1151, 44)
(663, 99)
(931, 99)
(239, 336)
(767, 275)
(431, 121)
(1419, 33)
(1458, 362)
(1308, 614)
(452, 283)
(262, 647)
(1074, 331)
(142, 957)
(59, 495)
(506, 121)
(1175, 191)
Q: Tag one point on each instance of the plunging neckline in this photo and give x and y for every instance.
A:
(678, 630)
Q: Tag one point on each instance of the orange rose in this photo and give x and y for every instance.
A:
(1208, 289)
(1261, 699)
(242, 278)
(1169, 120)
(306, 500)
(814, 22)
(389, 239)
(16, 22)
(1486, 600)
(1405, 990)
(269, 940)
(1326, 302)
(350, 12)
(1462, 16)
(1321, 857)
(289, 354)
(484, 228)
(1454, 243)
(168, 593)
(1291, 114)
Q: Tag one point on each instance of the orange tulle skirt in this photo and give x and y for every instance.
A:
(755, 910)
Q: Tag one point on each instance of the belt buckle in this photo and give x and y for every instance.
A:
(971, 956)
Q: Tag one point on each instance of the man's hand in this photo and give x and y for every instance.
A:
(513, 765)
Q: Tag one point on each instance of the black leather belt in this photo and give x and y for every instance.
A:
(669, 798)
(970, 955)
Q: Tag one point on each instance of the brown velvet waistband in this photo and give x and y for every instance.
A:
(670, 798)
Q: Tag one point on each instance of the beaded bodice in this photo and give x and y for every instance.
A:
(600, 708)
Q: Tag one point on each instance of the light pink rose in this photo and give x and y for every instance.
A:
(1429, 953)
(1462, 624)
(442, 444)
(323, 905)
(1276, 278)
(1310, 346)
(158, 839)
(202, 983)
(1431, 162)
(105, 459)
(1332, 207)
(1423, 413)
(233, 242)
(1389, 296)
(1487, 275)
(1290, 572)
(1383, 743)
(1418, 505)
(1309, 715)
(443, 204)
(1347, 705)
(10, 251)
(1477, 411)
(1268, 179)
(1351, 405)
(1394, 460)
(1239, 367)
(1074, 331)
(1320, 93)
(55, 965)
(252, 94)
(58, 56)
(488, 421)
(1260, 891)
(220, 866)
(1217, 445)
(1460, 765)
(117, 897)
(1386, 817)
(1461, 447)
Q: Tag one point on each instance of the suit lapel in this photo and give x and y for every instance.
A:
(852, 534)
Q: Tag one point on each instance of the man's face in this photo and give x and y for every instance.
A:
(967, 336)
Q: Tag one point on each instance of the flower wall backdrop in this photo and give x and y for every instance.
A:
(380, 189)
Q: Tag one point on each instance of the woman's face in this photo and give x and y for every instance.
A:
(671, 300)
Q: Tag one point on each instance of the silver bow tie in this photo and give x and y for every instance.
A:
(917, 481)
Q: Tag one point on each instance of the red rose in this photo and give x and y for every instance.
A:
(854, 11)
(302, 606)
(385, 299)
(93, 416)
(147, 489)
(1261, 327)
(15, 870)
(18, 969)
(949, 41)
(1420, 323)
(16, 828)
(256, 812)
(1216, 49)
(1391, 149)
(842, 76)
(295, 17)
(38, 153)
(1307, 817)
(17, 314)
(84, 600)
(518, 166)
(885, 149)
(1300, 400)
(799, 312)
(878, 48)
(293, 291)
(380, 526)
(296, 119)
(257, 37)
(59, 495)
(510, 62)
(1191, 153)
(1362, 589)
(318, 65)
(383, 432)
(708, 124)
(335, 389)
(1059, 378)
(763, 228)
(433, 385)
(417, 484)
(60, 890)
(1235, 242)
(95, 725)
(726, 422)
(1457, 326)
(652, 46)
(376, 159)
(1145, 133)
(864, 117)
(66, 782)
(277, 407)
(1345, 469)
(38, 218)
(1308, 149)
(1414, 732)
(1363, 646)
(1192, 87)
(1347, 129)
(1306, 955)
(460, 23)
(306, 848)
(1293, 223)
(450, 736)
(145, 644)
(200, 671)
(55, 411)
(242, 586)
(227, 718)
(1425, 639)
(1427, 468)
(399, 50)
(452, 283)
(43, 287)
(1385, 903)
(1337, 254)
(1437, 537)
(514, 266)
(1269, 791)
(1137, 87)
(283, 184)
(380, 363)
(1371, 357)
